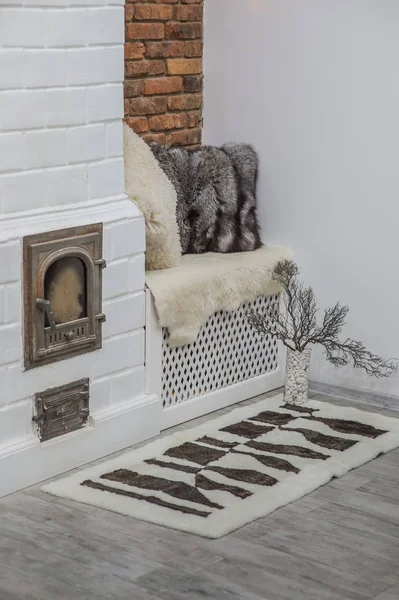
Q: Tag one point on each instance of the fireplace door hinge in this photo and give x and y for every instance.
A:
(101, 262)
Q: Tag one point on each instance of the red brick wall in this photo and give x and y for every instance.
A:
(163, 70)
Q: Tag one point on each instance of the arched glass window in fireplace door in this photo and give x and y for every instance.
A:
(65, 285)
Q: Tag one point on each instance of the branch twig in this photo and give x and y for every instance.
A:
(297, 326)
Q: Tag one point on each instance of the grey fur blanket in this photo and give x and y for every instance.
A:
(216, 196)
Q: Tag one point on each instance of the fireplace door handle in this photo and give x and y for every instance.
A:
(45, 306)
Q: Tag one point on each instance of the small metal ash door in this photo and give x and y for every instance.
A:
(62, 294)
(62, 409)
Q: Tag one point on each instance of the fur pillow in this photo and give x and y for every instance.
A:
(216, 196)
(148, 186)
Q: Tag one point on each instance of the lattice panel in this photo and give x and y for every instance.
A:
(227, 351)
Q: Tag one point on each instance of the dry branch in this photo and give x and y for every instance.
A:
(296, 326)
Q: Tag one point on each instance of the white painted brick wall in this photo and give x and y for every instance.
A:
(101, 390)
(11, 68)
(12, 303)
(104, 102)
(136, 273)
(86, 143)
(116, 272)
(114, 138)
(22, 28)
(124, 314)
(12, 152)
(22, 109)
(106, 178)
(10, 343)
(44, 68)
(61, 70)
(15, 422)
(2, 305)
(45, 148)
(10, 257)
(123, 239)
(126, 385)
(119, 353)
(38, 189)
(85, 66)
(61, 105)
(114, 64)
(65, 106)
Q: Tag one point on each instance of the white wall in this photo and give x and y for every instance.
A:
(314, 86)
(61, 103)
(61, 165)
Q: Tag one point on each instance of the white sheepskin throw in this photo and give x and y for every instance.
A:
(187, 295)
(148, 186)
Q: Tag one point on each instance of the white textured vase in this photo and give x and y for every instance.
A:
(297, 376)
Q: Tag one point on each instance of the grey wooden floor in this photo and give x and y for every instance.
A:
(339, 543)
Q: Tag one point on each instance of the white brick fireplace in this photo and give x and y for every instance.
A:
(61, 166)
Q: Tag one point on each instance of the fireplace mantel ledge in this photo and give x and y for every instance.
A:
(16, 225)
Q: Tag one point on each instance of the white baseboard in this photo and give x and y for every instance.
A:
(30, 462)
(208, 403)
(355, 394)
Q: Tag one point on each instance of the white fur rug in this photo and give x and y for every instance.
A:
(214, 478)
(187, 295)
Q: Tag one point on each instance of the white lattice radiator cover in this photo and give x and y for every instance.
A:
(226, 352)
